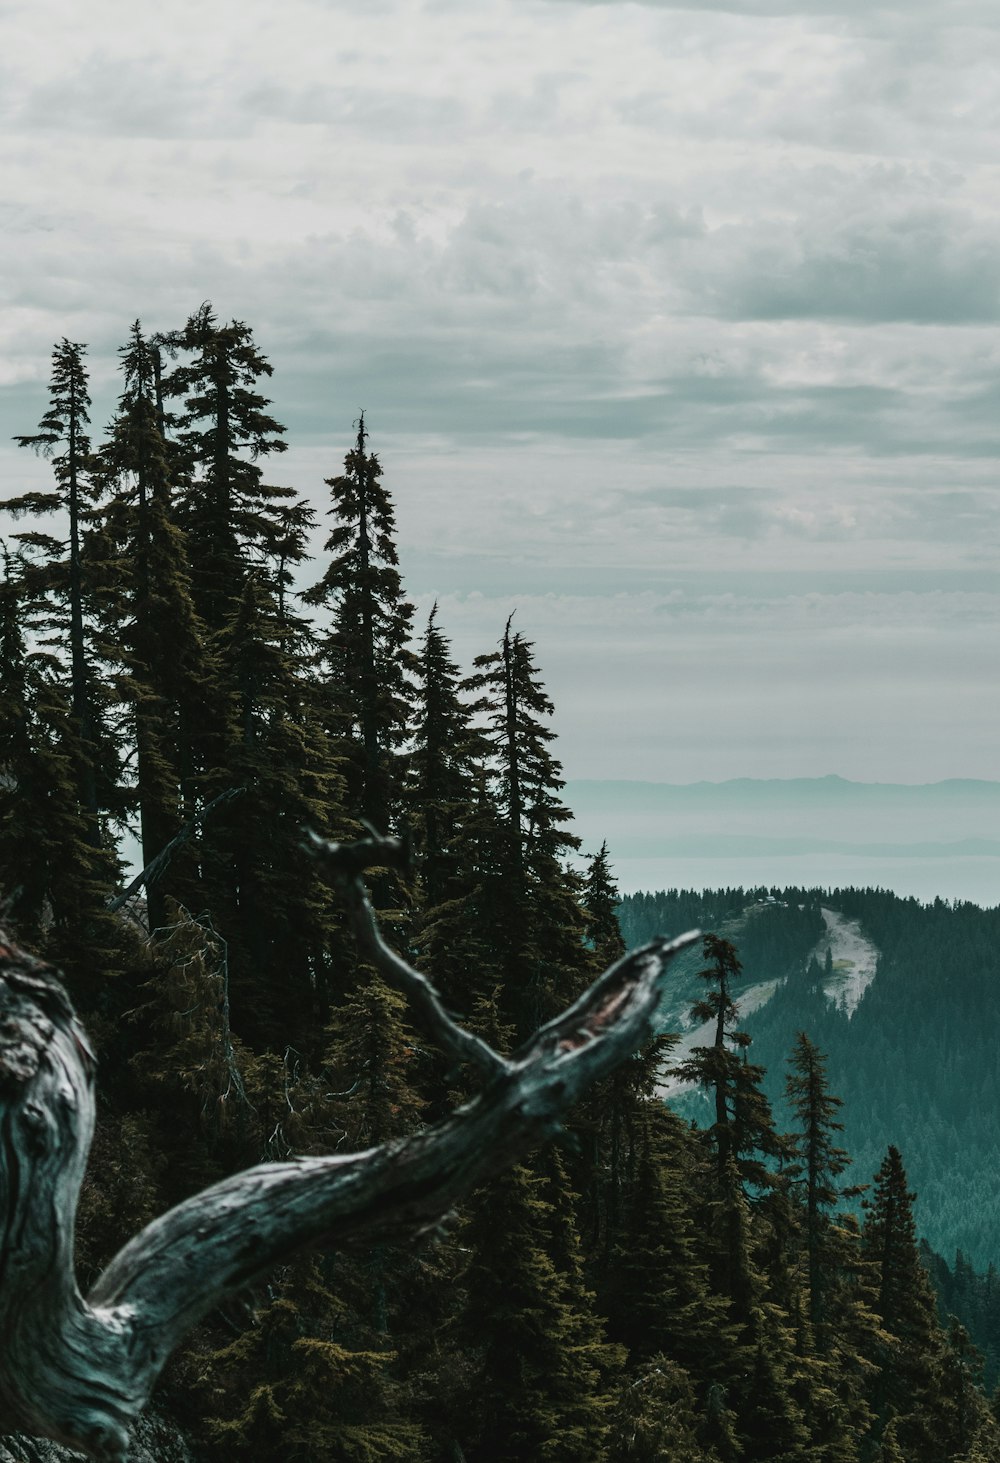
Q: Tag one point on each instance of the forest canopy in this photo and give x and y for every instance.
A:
(178, 676)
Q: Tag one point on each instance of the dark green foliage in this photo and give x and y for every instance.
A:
(909, 1386)
(649, 1289)
(656, 1418)
(453, 829)
(818, 1163)
(168, 674)
(658, 1292)
(305, 1382)
(232, 518)
(600, 900)
(540, 1370)
(364, 656)
(532, 917)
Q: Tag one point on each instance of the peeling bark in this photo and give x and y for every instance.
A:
(79, 1370)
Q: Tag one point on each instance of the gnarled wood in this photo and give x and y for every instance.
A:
(81, 1370)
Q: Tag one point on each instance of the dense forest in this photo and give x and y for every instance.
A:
(916, 1061)
(176, 675)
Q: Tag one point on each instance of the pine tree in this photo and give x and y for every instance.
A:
(600, 900)
(536, 1387)
(819, 1162)
(233, 519)
(169, 675)
(909, 1386)
(59, 579)
(743, 1135)
(452, 825)
(364, 656)
(533, 915)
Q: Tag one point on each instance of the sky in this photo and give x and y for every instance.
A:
(677, 329)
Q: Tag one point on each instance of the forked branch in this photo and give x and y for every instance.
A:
(81, 1370)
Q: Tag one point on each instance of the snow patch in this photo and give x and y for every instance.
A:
(854, 959)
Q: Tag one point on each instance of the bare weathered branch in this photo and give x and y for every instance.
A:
(156, 866)
(347, 862)
(81, 1370)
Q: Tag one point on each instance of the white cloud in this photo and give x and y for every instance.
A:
(629, 291)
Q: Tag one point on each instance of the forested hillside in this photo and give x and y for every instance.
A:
(173, 670)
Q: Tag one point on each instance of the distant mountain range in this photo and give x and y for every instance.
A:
(925, 839)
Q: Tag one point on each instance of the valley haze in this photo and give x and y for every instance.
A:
(930, 840)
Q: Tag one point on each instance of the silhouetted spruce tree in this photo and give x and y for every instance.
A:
(743, 1136)
(364, 656)
(819, 1162)
(57, 579)
(168, 674)
(536, 1388)
(909, 1387)
(233, 519)
(287, 953)
(600, 900)
(451, 825)
(533, 914)
(612, 1117)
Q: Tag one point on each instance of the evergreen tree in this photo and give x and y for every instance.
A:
(233, 519)
(169, 676)
(600, 900)
(452, 827)
(819, 1162)
(364, 655)
(657, 1292)
(909, 1386)
(533, 915)
(656, 1418)
(58, 578)
(613, 1119)
(743, 1135)
(536, 1385)
(305, 1382)
(53, 881)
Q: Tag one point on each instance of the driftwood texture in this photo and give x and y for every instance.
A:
(81, 1370)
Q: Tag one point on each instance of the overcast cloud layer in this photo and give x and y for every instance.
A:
(677, 328)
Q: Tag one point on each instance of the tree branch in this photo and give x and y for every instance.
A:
(81, 1370)
(347, 862)
(156, 866)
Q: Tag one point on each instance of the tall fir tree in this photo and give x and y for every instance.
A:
(538, 1385)
(234, 520)
(58, 577)
(364, 656)
(818, 1163)
(743, 1136)
(54, 881)
(168, 672)
(533, 912)
(908, 1390)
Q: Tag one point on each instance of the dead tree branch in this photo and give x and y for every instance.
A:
(156, 866)
(81, 1370)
